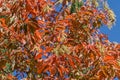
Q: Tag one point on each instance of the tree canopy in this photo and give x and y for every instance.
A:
(57, 40)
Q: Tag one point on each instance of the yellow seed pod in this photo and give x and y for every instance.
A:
(95, 3)
(55, 50)
(111, 15)
(119, 62)
(61, 50)
(106, 7)
(66, 49)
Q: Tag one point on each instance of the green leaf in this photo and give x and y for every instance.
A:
(3, 16)
(3, 50)
(79, 4)
(8, 68)
(76, 5)
(73, 8)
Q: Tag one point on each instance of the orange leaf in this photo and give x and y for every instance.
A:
(10, 77)
(38, 56)
(40, 50)
(108, 57)
(48, 49)
(60, 71)
(40, 22)
(42, 68)
(2, 20)
(71, 61)
(37, 34)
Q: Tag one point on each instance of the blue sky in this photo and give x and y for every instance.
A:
(114, 33)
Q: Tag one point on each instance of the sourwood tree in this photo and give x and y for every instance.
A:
(57, 40)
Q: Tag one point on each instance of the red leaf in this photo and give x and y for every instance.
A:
(108, 57)
(38, 34)
(71, 62)
(60, 71)
(38, 56)
(42, 68)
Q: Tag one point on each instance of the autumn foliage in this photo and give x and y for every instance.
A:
(44, 43)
